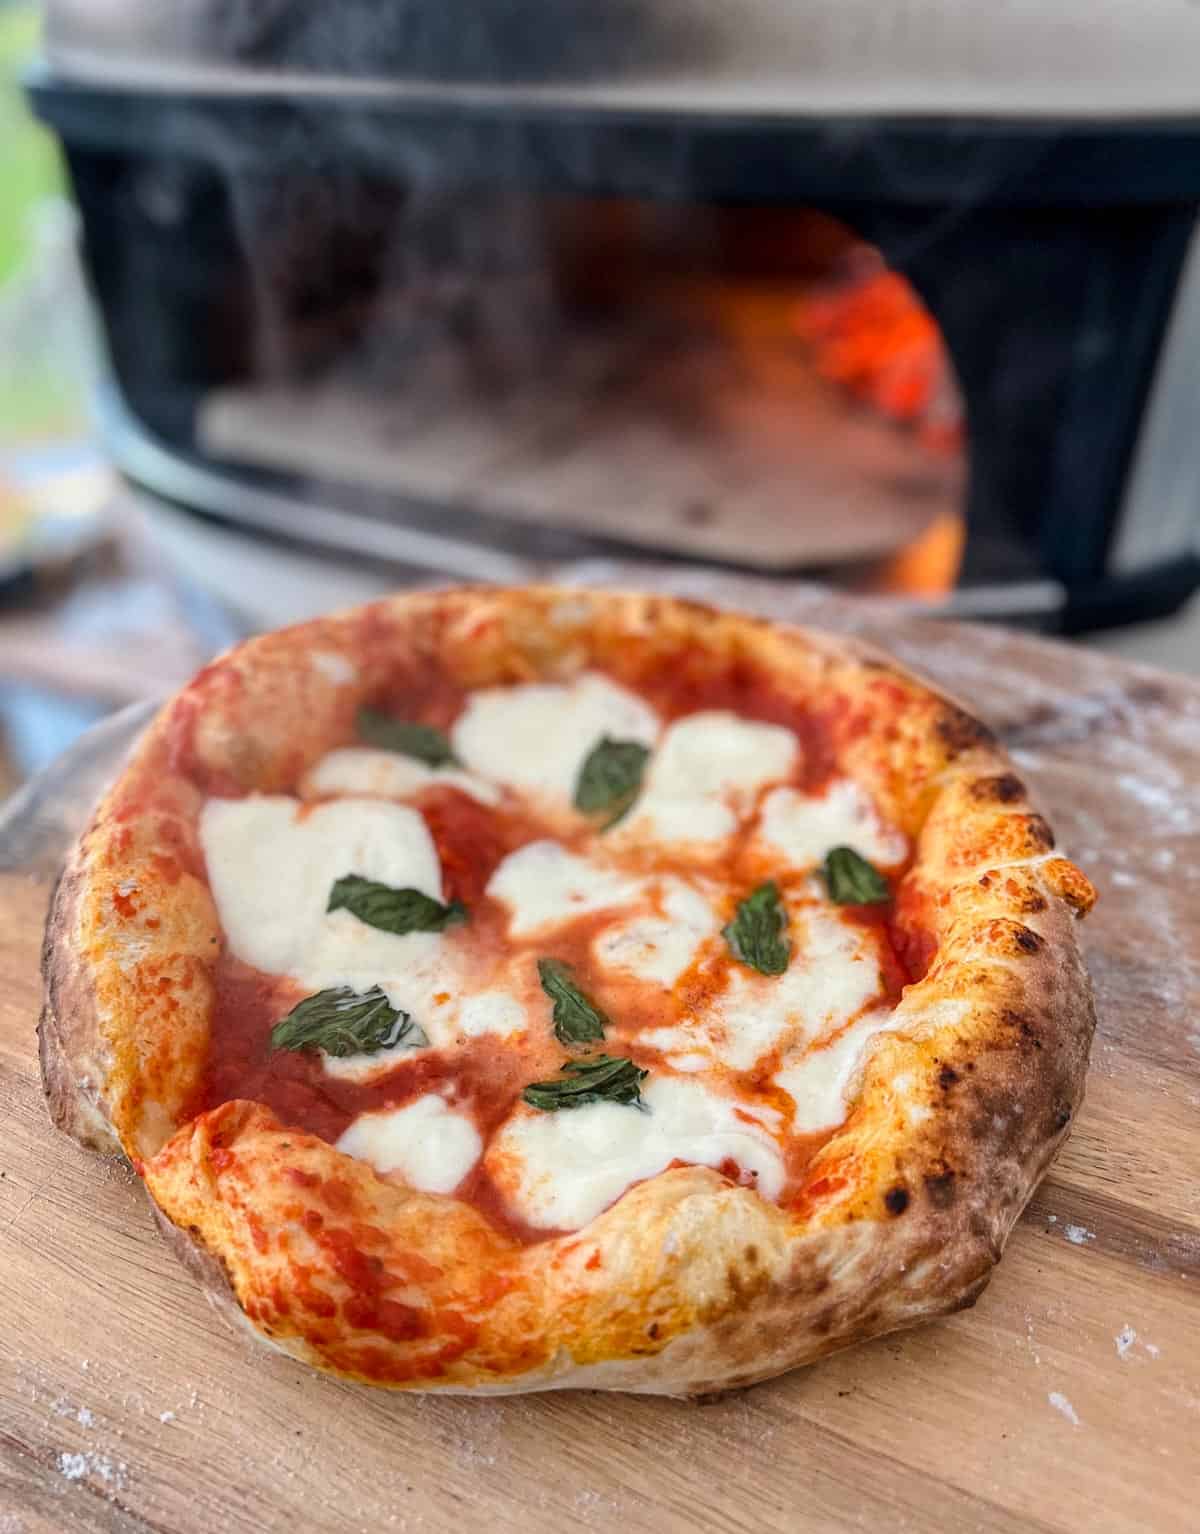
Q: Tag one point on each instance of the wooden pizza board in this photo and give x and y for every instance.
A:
(1068, 1399)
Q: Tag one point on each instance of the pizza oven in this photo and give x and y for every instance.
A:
(905, 300)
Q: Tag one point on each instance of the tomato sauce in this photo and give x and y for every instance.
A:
(484, 1076)
(692, 684)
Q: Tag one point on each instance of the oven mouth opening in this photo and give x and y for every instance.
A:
(744, 385)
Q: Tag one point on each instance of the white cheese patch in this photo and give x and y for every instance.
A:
(536, 736)
(362, 771)
(491, 1012)
(705, 774)
(272, 863)
(543, 884)
(659, 948)
(819, 1082)
(333, 667)
(802, 828)
(833, 973)
(431, 1147)
(560, 1170)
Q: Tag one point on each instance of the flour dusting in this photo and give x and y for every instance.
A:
(1125, 1339)
(77, 1467)
(1078, 1235)
(1061, 1404)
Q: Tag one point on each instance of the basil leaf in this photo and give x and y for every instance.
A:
(390, 734)
(343, 1022)
(599, 1079)
(610, 779)
(393, 910)
(852, 880)
(576, 1019)
(757, 935)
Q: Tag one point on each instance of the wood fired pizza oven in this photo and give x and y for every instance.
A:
(905, 298)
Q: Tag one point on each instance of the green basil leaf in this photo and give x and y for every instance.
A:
(390, 734)
(852, 880)
(599, 1079)
(757, 935)
(393, 910)
(610, 779)
(577, 1020)
(345, 1022)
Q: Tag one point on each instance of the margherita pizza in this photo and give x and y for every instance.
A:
(505, 990)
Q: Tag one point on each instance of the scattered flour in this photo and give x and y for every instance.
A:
(63, 1408)
(75, 1467)
(1060, 1403)
(1127, 1338)
(1078, 1235)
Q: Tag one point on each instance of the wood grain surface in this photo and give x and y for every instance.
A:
(1068, 1399)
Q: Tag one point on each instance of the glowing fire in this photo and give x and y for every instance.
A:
(871, 335)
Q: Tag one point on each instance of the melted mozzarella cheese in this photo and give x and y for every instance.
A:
(491, 1012)
(819, 1082)
(560, 1170)
(834, 972)
(359, 770)
(536, 736)
(705, 773)
(272, 863)
(660, 948)
(543, 884)
(430, 1146)
(802, 828)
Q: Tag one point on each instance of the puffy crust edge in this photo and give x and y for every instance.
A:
(962, 1105)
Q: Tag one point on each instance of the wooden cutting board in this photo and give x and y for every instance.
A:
(1068, 1399)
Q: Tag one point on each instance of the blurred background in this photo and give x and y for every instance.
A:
(302, 303)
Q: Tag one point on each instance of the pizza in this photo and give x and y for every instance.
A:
(499, 990)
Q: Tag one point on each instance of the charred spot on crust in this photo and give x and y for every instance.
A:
(896, 1199)
(959, 731)
(1032, 902)
(1027, 940)
(947, 1077)
(1005, 789)
(652, 1331)
(1024, 1025)
(1039, 834)
(940, 1188)
(1062, 1116)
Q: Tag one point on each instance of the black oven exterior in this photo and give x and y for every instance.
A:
(1056, 256)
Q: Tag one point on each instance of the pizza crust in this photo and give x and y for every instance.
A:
(688, 1284)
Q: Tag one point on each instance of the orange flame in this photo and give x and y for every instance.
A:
(872, 336)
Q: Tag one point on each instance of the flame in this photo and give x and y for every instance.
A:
(870, 334)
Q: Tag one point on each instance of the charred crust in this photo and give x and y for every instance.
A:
(947, 1077)
(959, 731)
(940, 1188)
(896, 1199)
(1038, 833)
(1007, 788)
(1027, 940)
(1023, 1024)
